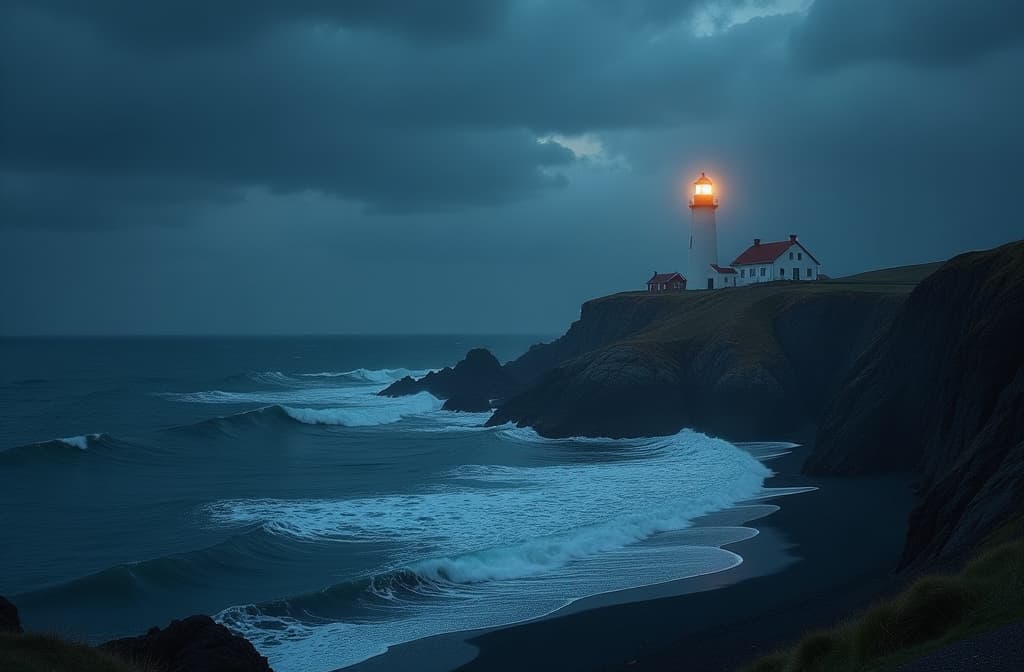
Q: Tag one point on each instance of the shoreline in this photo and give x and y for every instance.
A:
(646, 627)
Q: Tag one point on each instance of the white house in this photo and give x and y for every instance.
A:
(783, 260)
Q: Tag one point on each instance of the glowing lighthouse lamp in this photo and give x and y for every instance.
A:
(703, 271)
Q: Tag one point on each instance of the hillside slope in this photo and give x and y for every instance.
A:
(942, 394)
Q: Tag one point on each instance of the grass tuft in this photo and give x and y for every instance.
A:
(815, 652)
(773, 663)
(932, 606)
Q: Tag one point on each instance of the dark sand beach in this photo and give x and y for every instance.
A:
(822, 555)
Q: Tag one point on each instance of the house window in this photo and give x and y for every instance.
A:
(809, 273)
(782, 272)
(800, 256)
(790, 255)
(743, 272)
(762, 270)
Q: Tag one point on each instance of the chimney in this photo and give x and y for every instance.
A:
(757, 241)
(792, 237)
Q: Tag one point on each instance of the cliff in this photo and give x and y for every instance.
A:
(742, 363)
(942, 394)
(915, 370)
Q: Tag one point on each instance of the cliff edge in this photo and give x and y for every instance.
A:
(942, 394)
(744, 363)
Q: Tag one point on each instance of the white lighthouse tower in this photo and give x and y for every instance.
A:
(703, 270)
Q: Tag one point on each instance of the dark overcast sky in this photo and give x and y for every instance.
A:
(307, 166)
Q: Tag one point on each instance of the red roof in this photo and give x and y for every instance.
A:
(666, 277)
(766, 253)
(723, 269)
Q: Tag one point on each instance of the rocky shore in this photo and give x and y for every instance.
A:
(193, 644)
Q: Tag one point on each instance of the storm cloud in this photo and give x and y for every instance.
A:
(541, 145)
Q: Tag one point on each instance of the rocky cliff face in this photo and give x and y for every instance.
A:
(942, 393)
(602, 322)
(745, 363)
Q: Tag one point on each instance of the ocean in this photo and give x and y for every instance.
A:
(263, 481)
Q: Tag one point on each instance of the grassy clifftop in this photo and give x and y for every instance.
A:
(746, 316)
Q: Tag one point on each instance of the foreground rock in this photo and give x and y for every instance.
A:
(195, 644)
(9, 620)
(942, 394)
(469, 386)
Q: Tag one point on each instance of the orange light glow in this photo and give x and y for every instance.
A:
(702, 190)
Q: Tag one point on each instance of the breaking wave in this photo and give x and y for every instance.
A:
(376, 376)
(66, 446)
(80, 442)
(494, 544)
(385, 412)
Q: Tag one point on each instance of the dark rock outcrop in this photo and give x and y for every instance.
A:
(195, 644)
(9, 620)
(942, 394)
(468, 386)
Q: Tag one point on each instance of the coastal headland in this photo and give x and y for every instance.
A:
(904, 387)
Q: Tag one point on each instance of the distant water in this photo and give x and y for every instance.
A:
(262, 480)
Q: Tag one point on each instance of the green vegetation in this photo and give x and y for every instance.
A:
(745, 317)
(44, 653)
(932, 612)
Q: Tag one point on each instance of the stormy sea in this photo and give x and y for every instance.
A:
(264, 481)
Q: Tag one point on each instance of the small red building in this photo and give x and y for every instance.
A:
(666, 282)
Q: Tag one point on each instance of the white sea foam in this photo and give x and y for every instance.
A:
(80, 442)
(458, 421)
(271, 377)
(373, 411)
(376, 376)
(493, 521)
(294, 645)
(508, 543)
(303, 388)
(312, 395)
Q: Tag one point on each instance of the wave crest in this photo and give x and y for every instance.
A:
(377, 376)
(384, 412)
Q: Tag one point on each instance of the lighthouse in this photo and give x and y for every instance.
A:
(703, 271)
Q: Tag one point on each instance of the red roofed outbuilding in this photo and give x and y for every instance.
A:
(666, 282)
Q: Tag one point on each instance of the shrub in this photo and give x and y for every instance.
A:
(1002, 563)
(875, 633)
(931, 607)
(813, 652)
(776, 662)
